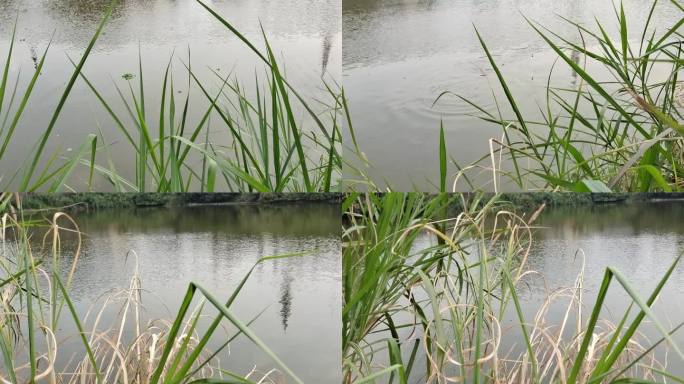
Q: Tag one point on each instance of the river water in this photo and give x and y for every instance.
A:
(400, 55)
(305, 34)
(216, 246)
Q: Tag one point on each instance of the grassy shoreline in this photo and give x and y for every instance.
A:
(534, 200)
(526, 201)
(97, 200)
(620, 132)
(91, 200)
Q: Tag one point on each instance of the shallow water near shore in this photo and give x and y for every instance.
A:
(215, 246)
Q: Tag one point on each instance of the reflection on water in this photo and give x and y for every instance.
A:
(399, 55)
(305, 35)
(285, 300)
(216, 246)
(640, 239)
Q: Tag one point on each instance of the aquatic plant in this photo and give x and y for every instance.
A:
(35, 302)
(264, 144)
(619, 131)
(425, 296)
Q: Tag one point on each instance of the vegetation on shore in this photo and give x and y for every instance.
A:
(425, 295)
(619, 129)
(35, 302)
(618, 132)
(614, 133)
(91, 200)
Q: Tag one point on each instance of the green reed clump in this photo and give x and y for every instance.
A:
(380, 265)
(35, 302)
(263, 144)
(616, 132)
(426, 295)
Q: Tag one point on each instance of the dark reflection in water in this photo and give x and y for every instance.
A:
(287, 219)
(639, 239)
(285, 300)
(325, 56)
(216, 246)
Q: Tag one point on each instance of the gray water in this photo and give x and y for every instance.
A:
(305, 34)
(639, 240)
(399, 55)
(215, 246)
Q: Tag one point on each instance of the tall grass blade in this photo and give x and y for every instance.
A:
(46, 135)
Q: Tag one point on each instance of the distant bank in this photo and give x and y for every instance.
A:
(77, 201)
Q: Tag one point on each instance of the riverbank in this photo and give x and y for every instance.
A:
(526, 201)
(87, 201)
(531, 201)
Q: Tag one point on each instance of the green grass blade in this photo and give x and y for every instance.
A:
(211, 175)
(5, 72)
(81, 332)
(370, 378)
(395, 359)
(296, 134)
(46, 135)
(593, 83)
(623, 35)
(91, 142)
(23, 102)
(523, 326)
(442, 159)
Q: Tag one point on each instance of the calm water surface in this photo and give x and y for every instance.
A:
(215, 246)
(399, 55)
(306, 34)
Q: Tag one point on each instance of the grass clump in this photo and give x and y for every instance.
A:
(35, 303)
(620, 130)
(426, 297)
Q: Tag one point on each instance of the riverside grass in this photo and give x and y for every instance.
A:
(431, 311)
(35, 298)
(265, 145)
(620, 132)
